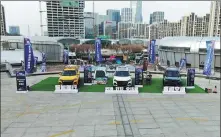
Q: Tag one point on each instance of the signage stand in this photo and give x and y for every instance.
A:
(21, 82)
(138, 77)
(190, 78)
(88, 79)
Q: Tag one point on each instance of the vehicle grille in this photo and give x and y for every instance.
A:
(122, 83)
(67, 82)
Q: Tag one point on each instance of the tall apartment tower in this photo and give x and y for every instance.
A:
(65, 21)
(136, 7)
(126, 15)
(3, 24)
(215, 19)
(156, 17)
(194, 25)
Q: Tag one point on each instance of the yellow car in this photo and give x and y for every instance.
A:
(70, 75)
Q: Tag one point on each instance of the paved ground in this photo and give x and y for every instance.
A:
(44, 114)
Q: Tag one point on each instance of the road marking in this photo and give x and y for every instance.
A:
(136, 121)
(191, 119)
(63, 133)
(115, 123)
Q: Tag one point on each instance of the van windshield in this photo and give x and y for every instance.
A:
(171, 73)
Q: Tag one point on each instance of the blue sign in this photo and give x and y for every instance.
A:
(88, 74)
(138, 76)
(65, 56)
(182, 63)
(209, 57)
(190, 77)
(43, 65)
(21, 81)
(28, 56)
(152, 51)
(98, 56)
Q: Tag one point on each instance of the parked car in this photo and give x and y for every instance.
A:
(171, 77)
(122, 77)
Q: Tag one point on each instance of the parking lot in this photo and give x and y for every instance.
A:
(45, 114)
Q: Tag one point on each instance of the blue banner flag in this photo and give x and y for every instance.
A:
(65, 56)
(182, 63)
(28, 56)
(98, 56)
(209, 57)
(152, 51)
(43, 65)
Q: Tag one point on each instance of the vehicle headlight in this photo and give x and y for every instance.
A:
(74, 79)
(129, 80)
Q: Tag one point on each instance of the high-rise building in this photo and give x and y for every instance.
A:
(126, 15)
(91, 24)
(215, 19)
(113, 15)
(65, 20)
(131, 30)
(102, 18)
(108, 28)
(136, 7)
(163, 29)
(194, 25)
(156, 17)
(3, 24)
(14, 30)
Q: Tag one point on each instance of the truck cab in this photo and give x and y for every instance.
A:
(171, 77)
(70, 75)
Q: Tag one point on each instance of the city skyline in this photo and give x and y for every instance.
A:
(170, 8)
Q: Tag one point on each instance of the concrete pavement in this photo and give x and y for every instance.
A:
(44, 114)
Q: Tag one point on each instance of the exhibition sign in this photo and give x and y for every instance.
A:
(65, 56)
(21, 82)
(209, 57)
(88, 75)
(98, 55)
(152, 51)
(66, 89)
(29, 59)
(174, 90)
(120, 90)
(138, 77)
(190, 78)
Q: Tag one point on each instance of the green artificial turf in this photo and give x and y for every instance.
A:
(156, 86)
(47, 84)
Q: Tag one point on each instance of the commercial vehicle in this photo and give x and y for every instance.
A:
(171, 77)
(122, 77)
(70, 75)
(100, 75)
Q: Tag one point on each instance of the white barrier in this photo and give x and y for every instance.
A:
(119, 90)
(66, 89)
(174, 90)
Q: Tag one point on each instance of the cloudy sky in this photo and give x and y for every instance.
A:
(26, 13)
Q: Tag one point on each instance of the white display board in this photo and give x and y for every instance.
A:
(174, 90)
(66, 89)
(119, 90)
(22, 91)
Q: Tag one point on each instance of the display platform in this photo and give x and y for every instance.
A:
(121, 90)
(66, 89)
(174, 90)
(21, 91)
(156, 86)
